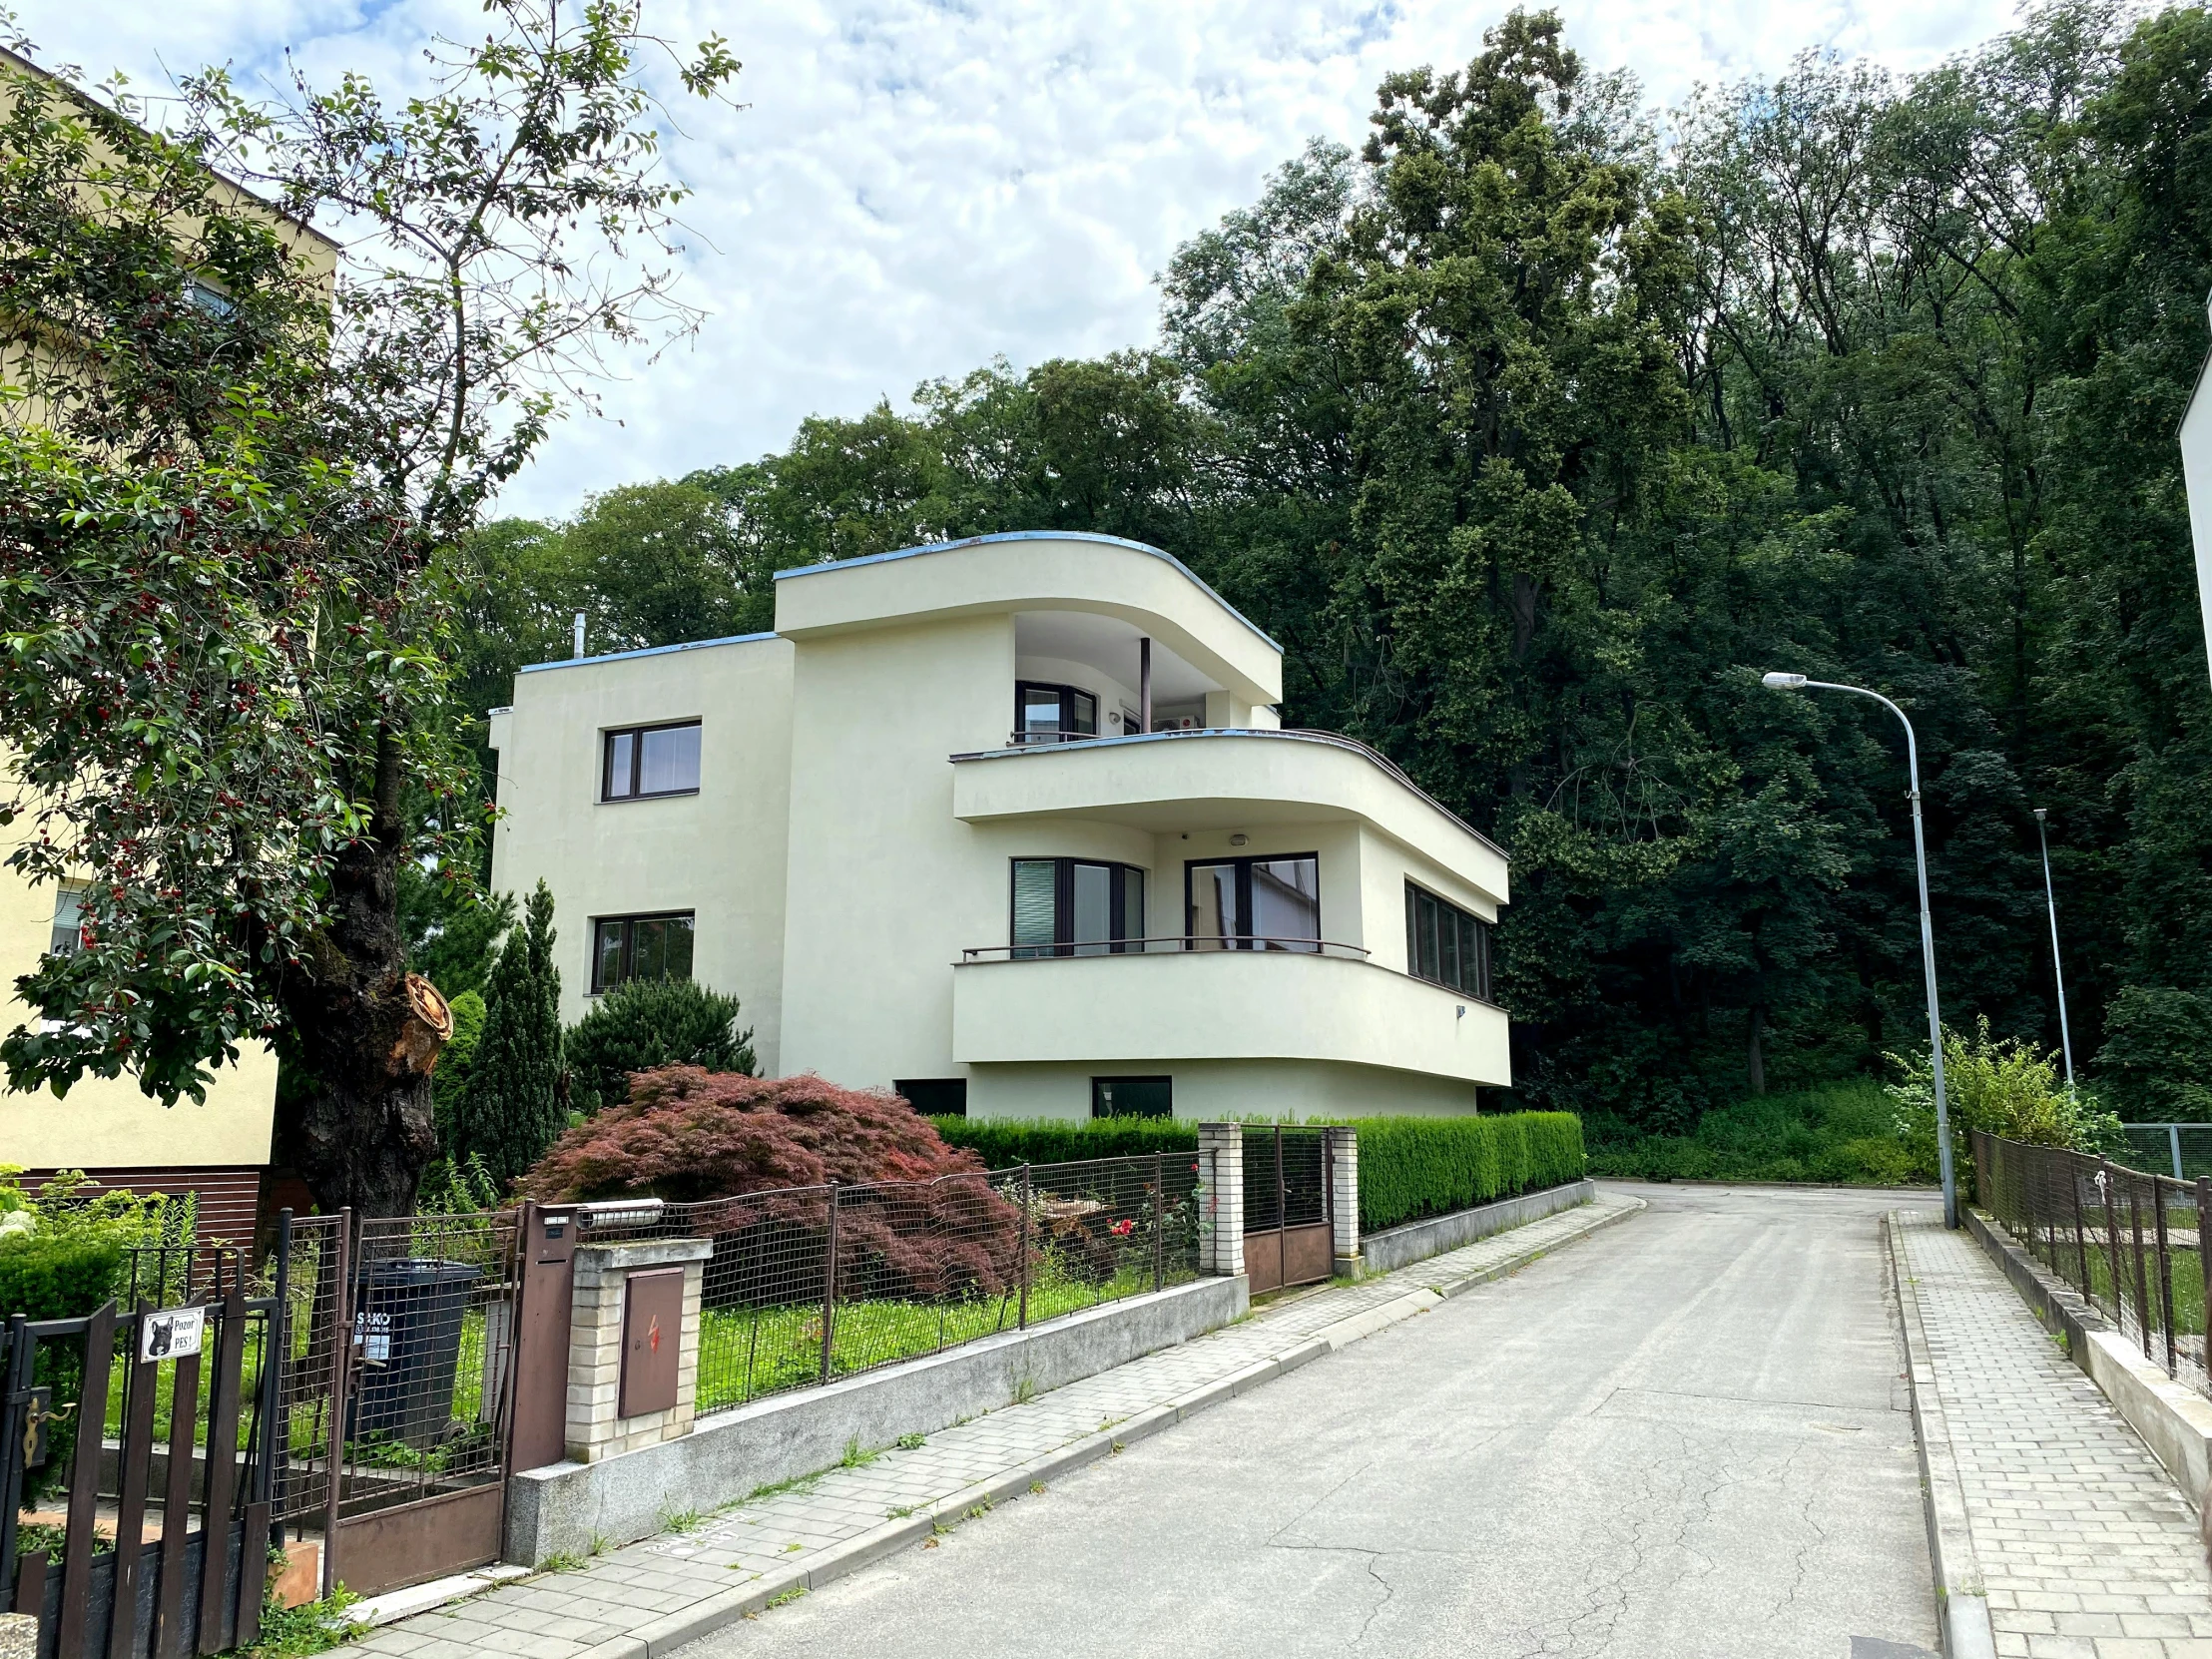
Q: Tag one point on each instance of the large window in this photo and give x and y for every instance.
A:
(646, 761)
(934, 1097)
(69, 923)
(640, 947)
(1074, 907)
(1446, 945)
(1253, 903)
(1132, 1097)
(1053, 714)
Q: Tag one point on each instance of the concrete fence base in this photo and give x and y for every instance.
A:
(568, 1508)
(1416, 1241)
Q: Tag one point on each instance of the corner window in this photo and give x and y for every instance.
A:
(1446, 945)
(640, 947)
(1074, 907)
(69, 923)
(646, 760)
(1253, 903)
(934, 1097)
(1132, 1097)
(1052, 714)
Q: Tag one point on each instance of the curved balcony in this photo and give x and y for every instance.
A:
(1214, 780)
(1156, 1006)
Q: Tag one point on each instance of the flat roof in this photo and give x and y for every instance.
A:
(1037, 535)
(647, 651)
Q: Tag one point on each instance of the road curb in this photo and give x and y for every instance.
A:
(1962, 1601)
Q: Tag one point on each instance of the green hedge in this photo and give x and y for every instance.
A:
(1005, 1142)
(1409, 1166)
(1412, 1168)
(64, 1277)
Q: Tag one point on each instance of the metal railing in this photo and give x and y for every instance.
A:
(2131, 1241)
(2181, 1150)
(808, 1284)
(1168, 945)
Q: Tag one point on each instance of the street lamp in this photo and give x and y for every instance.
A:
(2050, 900)
(1798, 682)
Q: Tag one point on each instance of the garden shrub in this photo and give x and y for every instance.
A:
(687, 1133)
(1412, 1168)
(1003, 1143)
(1842, 1134)
(645, 1024)
(2005, 1087)
(455, 1061)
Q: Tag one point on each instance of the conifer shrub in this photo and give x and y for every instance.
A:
(687, 1135)
(510, 1107)
(645, 1024)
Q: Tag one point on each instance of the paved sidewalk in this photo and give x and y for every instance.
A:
(649, 1598)
(2087, 1549)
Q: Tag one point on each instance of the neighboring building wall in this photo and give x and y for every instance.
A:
(719, 854)
(2196, 468)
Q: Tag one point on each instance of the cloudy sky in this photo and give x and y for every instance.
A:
(914, 188)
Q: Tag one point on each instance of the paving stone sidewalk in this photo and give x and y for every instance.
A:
(649, 1598)
(2087, 1549)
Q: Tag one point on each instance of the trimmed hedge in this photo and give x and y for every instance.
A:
(1004, 1142)
(1414, 1168)
(1410, 1168)
(60, 1277)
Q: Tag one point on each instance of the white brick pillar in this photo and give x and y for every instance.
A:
(1221, 1199)
(595, 1430)
(1344, 1197)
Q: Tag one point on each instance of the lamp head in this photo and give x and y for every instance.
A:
(2039, 811)
(1782, 682)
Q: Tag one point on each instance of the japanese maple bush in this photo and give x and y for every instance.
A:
(914, 1217)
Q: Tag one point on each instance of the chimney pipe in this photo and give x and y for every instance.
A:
(579, 651)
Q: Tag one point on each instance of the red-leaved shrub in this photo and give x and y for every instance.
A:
(916, 1217)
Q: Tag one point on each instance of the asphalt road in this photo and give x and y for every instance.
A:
(1687, 1434)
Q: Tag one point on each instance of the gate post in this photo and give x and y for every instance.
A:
(603, 1346)
(538, 1364)
(1344, 1198)
(1221, 1228)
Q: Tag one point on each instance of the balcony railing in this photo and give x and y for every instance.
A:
(1051, 734)
(1174, 944)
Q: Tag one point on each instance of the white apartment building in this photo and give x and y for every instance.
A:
(1010, 825)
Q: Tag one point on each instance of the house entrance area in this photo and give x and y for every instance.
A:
(1289, 1189)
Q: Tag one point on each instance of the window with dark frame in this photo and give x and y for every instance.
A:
(1075, 907)
(1045, 712)
(1446, 945)
(69, 923)
(639, 763)
(1263, 903)
(640, 947)
(1132, 1097)
(934, 1097)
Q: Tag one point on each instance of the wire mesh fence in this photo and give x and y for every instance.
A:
(810, 1284)
(2131, 1241)
(2181, 1150)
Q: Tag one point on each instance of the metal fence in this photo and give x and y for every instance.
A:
(808, 1284)
(2181, 1150)
(2131, 1241)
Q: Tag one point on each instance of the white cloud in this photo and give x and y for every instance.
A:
(914, 187)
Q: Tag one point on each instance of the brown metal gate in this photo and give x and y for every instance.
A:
(401, 1391)
(1288, 1199)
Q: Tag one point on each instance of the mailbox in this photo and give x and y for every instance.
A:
(652, 1328)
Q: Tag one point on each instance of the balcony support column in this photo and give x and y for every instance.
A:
(1144, 685)
(1221, 1199)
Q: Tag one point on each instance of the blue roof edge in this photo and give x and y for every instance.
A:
(1037, 535)
(648, 651)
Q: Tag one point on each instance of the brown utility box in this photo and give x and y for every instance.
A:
(651, 1332)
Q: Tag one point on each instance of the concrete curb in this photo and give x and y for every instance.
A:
(1962, 1604)
(703, 1618)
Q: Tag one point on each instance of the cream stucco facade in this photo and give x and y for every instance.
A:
(863, 796)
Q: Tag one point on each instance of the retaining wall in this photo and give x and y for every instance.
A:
(1416, 1241)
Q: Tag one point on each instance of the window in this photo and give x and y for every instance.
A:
(1446, 945)
(1074, 907)
(1052, 714)
(936, 1097)
(69, 923)
(649, 760)
(1132, 1097)
(640, 947)
(1253, 903)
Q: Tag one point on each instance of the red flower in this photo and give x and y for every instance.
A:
(1122, 1229)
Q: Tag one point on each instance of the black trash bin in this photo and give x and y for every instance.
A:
(409, 1315)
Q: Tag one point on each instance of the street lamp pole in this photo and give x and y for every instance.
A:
(1798, 682)
(2050, 900)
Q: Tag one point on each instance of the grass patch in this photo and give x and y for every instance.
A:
(1842, 1134)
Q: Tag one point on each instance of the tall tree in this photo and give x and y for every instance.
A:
(511, 1107)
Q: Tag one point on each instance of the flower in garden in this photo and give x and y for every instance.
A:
(1122, 1229)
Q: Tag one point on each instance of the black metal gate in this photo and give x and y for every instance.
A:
(1289, 1205)
(167, 1418)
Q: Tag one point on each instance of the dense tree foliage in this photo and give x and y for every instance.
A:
(1536, 430)
(511, 1104)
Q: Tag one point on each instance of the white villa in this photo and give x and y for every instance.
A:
(1010, 825)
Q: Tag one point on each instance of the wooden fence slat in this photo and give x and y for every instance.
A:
(142, 1382)
(30, 1583)
(253, 1572)
(84, 1484)
(171, 1629)
(223, 1470)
